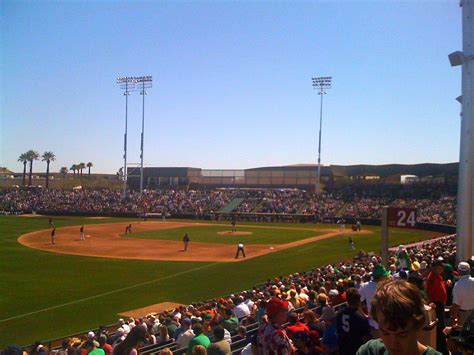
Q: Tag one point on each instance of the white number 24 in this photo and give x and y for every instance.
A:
(403, 220)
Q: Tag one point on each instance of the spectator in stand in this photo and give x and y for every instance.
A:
(199, 350)
(295, 325)
(230, 322)
(312, 322)
(220, 346)
(164, 336)
(241, 310)
(272, 337)
(132, 342)
(463, 295)
(172, 324)
(367, 292)
(92, 348)
(403, 259)
(199, 339)
(295, 300)
(185, 335)
(104, 346)
(306, 344)
(436, 291)
(165, 351)
(398, 309)
(352, 325)
(329, 341)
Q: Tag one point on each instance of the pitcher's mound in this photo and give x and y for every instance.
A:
(233, 233)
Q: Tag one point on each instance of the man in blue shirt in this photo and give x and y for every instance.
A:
(352, 325)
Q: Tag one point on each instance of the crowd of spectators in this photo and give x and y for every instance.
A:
(296, 314)
(434, 205)
(114, 201)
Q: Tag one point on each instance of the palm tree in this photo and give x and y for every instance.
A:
(48, 157)
(81, 166)
(63, 171)
(89, 165)
(24, 159)
(73, 168)
(32, 155)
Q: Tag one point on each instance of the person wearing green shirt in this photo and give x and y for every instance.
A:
(230, 322)
(399, 311)
(199, 339)
(92, 349)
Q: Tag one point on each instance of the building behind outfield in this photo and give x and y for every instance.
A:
(290, 176)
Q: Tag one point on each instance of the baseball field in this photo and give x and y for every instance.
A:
(49, 291)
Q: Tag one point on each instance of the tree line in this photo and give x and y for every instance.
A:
(31, 155)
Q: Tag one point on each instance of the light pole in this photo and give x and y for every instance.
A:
(321, 84)
(127, 84)
(145, 83)
(465, 198)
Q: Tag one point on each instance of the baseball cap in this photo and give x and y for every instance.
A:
(463, 266)
(90, 335)
(379, 271)
(275, 306)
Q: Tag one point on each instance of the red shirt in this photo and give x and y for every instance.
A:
(107, 348)
(436, 288)
(291, 330)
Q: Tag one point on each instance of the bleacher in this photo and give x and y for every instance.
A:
(232, 205)
(237, 344)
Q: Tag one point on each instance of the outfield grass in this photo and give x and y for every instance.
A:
(45, 295)
(208, 234)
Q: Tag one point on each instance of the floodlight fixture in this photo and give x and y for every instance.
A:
(322, 82)
(456, 58)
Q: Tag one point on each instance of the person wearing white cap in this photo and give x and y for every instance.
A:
(463, 295)
(90, 335)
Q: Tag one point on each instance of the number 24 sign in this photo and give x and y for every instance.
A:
(402, 217)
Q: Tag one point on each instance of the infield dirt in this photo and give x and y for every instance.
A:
(104, 241)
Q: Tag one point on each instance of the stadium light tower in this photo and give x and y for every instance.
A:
(465, 199)
(321, 84)
(127, 84)
(144, 82)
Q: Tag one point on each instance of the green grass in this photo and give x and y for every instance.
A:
(53, 295)
(208, 234)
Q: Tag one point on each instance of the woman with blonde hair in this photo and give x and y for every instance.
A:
(199, 350)
(164, 336)
(165, 351)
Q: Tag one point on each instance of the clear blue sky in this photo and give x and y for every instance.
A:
(232, 81)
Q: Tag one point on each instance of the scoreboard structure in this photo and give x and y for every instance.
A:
(400, 217)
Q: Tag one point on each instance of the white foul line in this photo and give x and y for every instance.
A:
(107, 293)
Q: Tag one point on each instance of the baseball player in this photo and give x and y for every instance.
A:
(53, 236)
(186, 241)
(240, 248)
(351, 244)
(81, 233)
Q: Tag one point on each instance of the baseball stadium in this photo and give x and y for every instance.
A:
(269, 259)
